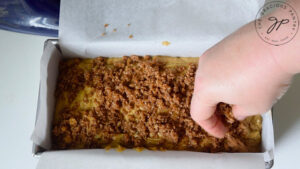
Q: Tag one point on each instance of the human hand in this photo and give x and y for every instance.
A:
(240, 71)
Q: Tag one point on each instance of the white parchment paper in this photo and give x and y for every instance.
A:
(190, 26)
(130, 159)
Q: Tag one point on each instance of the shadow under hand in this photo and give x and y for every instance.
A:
(286, 112)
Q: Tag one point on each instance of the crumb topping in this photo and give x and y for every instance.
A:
(138, 102)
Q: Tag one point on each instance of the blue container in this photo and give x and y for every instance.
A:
(38, 17)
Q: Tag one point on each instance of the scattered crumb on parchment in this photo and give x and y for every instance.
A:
(106, 25)
(139, 149)
(131, 36)
(107, 148)
(103, 34)
(129, 24)
(120, 148)
(165, 43)
(115, 30)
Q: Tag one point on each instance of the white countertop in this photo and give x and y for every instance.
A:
(19, 81)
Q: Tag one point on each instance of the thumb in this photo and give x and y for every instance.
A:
(203, 113)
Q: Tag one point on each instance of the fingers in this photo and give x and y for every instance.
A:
(201, 108)
(239, 112)
(205, 116)
(203, 112)
(214, 126)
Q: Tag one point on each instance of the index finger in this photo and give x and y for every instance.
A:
(203, 109)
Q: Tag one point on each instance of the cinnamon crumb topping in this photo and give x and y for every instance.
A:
(137, 102)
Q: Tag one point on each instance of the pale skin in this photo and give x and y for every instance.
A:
(244, 71)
